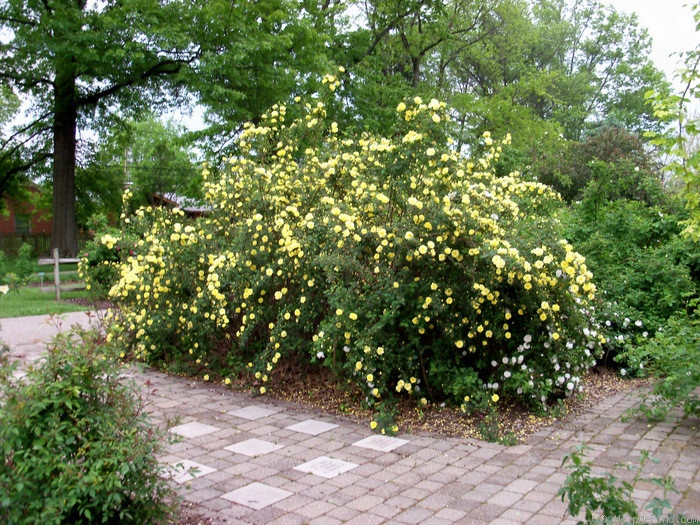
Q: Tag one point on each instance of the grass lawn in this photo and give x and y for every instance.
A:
(30, 300)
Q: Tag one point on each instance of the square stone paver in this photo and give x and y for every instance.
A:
(252, 412)
(193, 429)
(312, 427)
(257, 495)
(187, 470)
(326, 467)
(381, 443)
(253, 447)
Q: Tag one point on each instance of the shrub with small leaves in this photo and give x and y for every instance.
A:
(77, 446)
(99, 265)
(399, 263)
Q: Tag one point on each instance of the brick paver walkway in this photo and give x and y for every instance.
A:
(257, 447)
(262, 461)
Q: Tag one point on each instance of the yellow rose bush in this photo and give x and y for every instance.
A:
(395, 261)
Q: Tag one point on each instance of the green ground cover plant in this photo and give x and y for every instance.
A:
(77, 445)
(403, 266)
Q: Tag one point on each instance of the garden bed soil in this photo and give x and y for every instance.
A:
(95, 304)
(291, 382)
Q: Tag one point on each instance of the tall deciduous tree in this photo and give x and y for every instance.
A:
(76, 57)
(573, 62)
(81, 59)
(535, 68)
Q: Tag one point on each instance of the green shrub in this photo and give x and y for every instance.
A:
(398, 263)
(3, 265)
(672, 358)
(23, 267)
(608, 499)
(645, 271)
(77, 445)
(99, 265)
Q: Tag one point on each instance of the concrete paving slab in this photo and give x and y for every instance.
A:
(326, 467)
(186, 470)
(257, 495)
(254, 447)
(380, 443)
(312, 427)
(193, 429)
(252, 412)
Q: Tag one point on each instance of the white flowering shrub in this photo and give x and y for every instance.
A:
(398, 263)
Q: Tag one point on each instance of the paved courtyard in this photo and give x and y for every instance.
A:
(254, 460)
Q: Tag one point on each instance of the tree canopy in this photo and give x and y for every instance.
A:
(539, 69)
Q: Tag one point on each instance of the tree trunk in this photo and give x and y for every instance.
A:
(415, 74)
(65, 228)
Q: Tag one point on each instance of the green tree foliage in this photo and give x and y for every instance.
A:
(157, 162)
(392, 51)
(151, 157)
(553, 60)
(11, 150)
(680, 140)
(609, 164)
(9, 104)
(254, 54)
(641, 264)
(534, 68)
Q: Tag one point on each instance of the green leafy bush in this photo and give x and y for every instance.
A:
(608, 499)
(77, 445)
(672, 357)
(22, 268)
(398, 263)
(99, 265)
(644, 269)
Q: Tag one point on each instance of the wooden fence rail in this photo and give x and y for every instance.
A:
(57, 261)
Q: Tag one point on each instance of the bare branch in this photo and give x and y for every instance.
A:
(28, 165)
(9, 152)
(25, 84)
(167, 67)
(378, 38)
(24, 129)
(5, 18)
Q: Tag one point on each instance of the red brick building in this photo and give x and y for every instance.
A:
(20, 217)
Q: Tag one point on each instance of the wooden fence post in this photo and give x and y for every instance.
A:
(57, 274)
